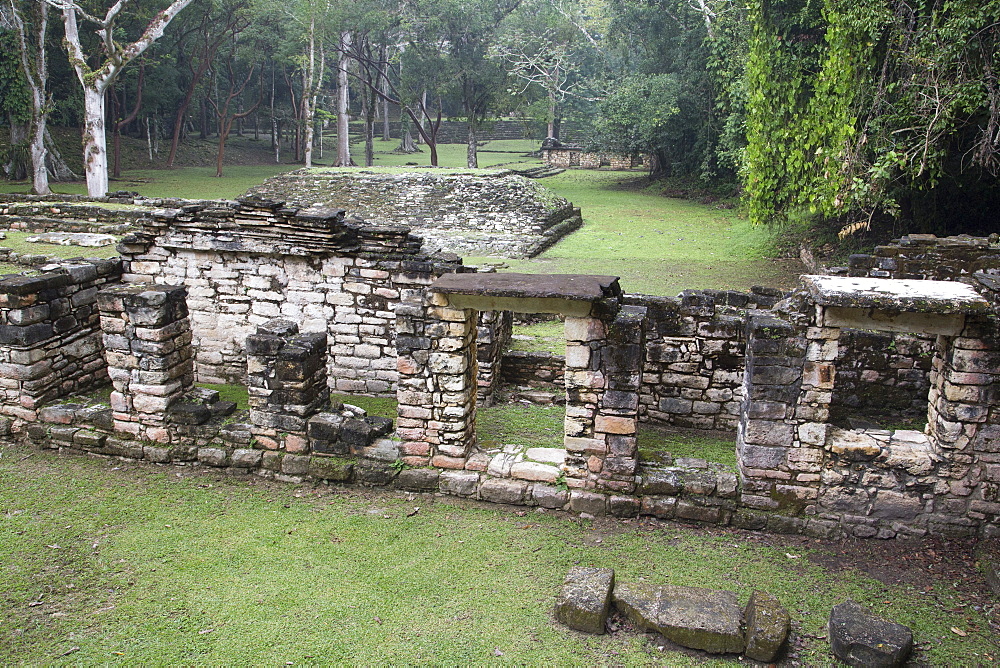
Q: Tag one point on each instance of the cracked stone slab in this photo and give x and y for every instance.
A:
(705, 619)
(72, 239)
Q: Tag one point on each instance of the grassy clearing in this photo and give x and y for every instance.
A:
(516, 424)
(114, 563)
(658, 245)
(544, 337)
(17, 242)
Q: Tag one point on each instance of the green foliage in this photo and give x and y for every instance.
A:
(855, 107)
(15, 100)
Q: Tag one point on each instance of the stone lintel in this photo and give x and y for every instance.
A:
(895, 295)
(577, 309)
(947, 324)
(567, 294)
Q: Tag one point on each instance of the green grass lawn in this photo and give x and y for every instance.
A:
(657, 245)
(17, 242)
(107, 562)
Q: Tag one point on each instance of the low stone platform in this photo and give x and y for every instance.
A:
(467, 212)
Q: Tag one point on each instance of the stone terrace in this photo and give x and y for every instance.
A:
(481, 212)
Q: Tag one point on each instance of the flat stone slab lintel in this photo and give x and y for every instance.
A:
(571, 287)
(895, 295)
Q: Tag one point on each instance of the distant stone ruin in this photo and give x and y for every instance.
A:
(467, 213)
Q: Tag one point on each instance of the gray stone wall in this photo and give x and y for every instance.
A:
(243, 266)
(926, 256)
(50, 337)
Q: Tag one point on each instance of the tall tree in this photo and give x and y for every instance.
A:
(197, 47)
(886, 111)
(470, 28)
(113, 58)
(31, 28)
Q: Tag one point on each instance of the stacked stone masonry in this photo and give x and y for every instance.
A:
(798, 472)
(147, 346)
(246, 263)
(570, 156)
(50, 335)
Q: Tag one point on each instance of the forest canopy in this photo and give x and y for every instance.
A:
(858, 114)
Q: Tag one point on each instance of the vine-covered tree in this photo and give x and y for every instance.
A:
(886, 110)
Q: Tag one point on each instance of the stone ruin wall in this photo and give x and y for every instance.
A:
(485, 213)
(50, 337)
(688, 491)
(566, 157)
(696, 354)
(243, 266)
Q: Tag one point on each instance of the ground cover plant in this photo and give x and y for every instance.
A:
(110, 562)
(657, 245)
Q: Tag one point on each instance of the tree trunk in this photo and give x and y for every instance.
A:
(385, 121)
(39, 171)
(552, 129)
(95, 148)
(58, 169)
(203, 134)
(276, 140)
(472, 149)
(343, 103)
(423, 105)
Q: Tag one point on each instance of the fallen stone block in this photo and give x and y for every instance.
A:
(705, 619)
(859, 638)
(767, 624)
(585, 598)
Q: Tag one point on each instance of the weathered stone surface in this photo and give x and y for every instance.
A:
(859, 638)
(585, 599)
(459, 483)
(418, 480)
(587, 502)
(534, 471)
(503, 491)
(705, 619)
(767, 625)
(331, 468)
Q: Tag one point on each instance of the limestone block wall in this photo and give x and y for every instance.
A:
(50, 337)
(243, 266)
(492, 338)
(569, 156)
(695, 357)
(883, 372)
(926, 256)
(147, 345)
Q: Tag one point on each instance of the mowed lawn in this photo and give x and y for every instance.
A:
(108, 562)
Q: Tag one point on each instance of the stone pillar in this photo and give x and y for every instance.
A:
(286, 378)
(963, 425)
(603, 374)
(618, 410)
(147, 343)
(436, 347)
(787, 389)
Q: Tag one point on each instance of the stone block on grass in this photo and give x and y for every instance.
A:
(860, 638)
(706, 619)
(767, 624)
(585, 598)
